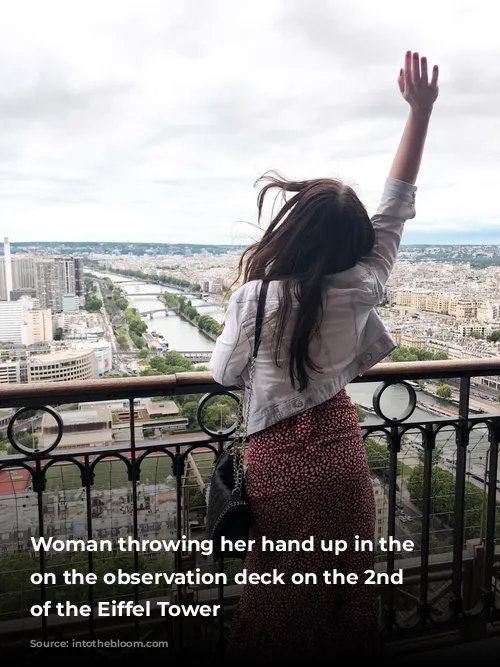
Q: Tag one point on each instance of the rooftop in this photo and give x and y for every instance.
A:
(86, 416)
(59, 357)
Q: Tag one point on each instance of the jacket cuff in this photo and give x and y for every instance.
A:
(400, 190)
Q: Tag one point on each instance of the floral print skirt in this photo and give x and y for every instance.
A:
(308, 476)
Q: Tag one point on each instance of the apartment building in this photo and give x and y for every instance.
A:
(63, 366)
(12, 318)
(39, 326)
(47, 279)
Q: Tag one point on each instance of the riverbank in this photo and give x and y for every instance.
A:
(194, 323)
(205, 324)
(475, 404)
(161, 279)
(124, 319)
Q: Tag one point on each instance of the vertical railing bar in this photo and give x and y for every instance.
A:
(429, 444)
(458, 529)
(90, 554)
(220, 592)
(39, 477)
(178, 554)
(135, 518)
(491, 473)
(393, 471)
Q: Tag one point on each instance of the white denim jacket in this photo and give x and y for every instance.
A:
(352, 340)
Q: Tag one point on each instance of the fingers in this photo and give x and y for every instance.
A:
(407, 72)
(423, 71)
(416, 70)
(435, 76)
(401, 81)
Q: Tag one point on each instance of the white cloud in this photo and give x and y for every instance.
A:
(150, 120)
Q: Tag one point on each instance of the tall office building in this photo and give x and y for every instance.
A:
(3, 284)
(56, 278)
(23, 272)
(68, 273)
(47, 279)
(50, 284)
(79, 277)
(8, 267)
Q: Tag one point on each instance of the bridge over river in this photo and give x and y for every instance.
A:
(165, 309)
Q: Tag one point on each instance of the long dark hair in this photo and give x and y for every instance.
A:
(321, 230)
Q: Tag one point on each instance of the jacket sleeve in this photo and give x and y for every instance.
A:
(232, 350)
(397, 206)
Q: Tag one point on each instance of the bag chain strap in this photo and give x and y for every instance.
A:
(240, 437)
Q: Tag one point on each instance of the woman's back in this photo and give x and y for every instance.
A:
(350, 339)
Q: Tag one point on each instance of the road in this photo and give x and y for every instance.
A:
(110, 335)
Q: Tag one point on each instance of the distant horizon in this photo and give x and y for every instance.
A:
(224, 245)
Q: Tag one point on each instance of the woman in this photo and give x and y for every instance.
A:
(307, 473)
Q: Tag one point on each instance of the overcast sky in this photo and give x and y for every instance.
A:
(150, 120)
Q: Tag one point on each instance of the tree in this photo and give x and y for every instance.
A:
(168, 364)
(19, 594)
(58, 334)
(189, 410)
(444, 391)
(196, 499)
(92, 303)
(379, 458)
(218, 415)
(163, 278)
(494, 336)
(442, 499)
(361, 413)
(122, 342)
(416, 354)
(208, 324)
(174, 358)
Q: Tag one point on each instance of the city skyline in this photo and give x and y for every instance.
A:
(135, 120)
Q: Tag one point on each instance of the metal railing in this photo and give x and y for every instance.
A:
(435, 477)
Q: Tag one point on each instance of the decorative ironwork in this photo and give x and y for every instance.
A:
(125, 486)
(35, 450)
(204, 401)
(408, 411)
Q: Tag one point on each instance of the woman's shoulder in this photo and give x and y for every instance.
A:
(248, 292)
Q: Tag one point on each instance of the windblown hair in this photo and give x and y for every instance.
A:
(322, 229)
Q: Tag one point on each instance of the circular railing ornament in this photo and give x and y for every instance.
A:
(199, 414)
(408, 411)
(36, 450)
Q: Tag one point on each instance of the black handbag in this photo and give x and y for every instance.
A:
(229, 511)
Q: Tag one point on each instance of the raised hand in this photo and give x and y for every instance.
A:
(414, 84)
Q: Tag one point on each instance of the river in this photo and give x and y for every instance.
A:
(183, 336)
(179, 334)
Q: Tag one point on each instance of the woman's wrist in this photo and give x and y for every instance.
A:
(421, 116)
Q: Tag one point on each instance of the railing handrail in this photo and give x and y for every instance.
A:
(199, 382)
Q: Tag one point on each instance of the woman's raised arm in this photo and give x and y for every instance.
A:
(398, 200)
(420, 93)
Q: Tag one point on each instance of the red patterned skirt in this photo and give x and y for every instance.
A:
(308, 476)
